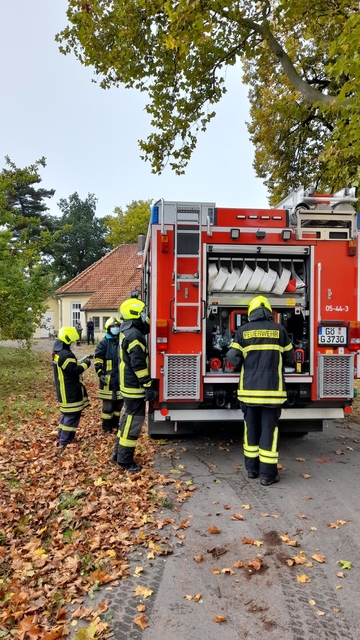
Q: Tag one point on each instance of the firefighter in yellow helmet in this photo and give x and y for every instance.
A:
(135, 381)
(107, 368)
(70, 389)
(261, 348)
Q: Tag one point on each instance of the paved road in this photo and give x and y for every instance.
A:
(257, 604)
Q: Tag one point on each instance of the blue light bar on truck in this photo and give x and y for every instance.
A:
(154, 219)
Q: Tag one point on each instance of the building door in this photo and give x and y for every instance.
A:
(47, 324)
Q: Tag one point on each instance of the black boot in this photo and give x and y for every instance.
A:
(107, 425)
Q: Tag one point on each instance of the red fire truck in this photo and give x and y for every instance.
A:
(202, 266)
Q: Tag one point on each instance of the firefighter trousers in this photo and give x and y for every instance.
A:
(129, 430)
(68, 424)
(261, 439)
(111, 410)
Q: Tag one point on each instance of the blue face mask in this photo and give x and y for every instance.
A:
(114, 331)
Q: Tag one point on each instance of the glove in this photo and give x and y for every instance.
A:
(87, 361)
(103, 379)
(149, 394)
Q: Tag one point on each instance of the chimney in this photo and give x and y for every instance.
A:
(141, 243)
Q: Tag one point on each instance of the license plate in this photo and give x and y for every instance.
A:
(336, 336)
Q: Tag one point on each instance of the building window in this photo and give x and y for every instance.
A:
(105, 319)
(96, 320)
(75, 312)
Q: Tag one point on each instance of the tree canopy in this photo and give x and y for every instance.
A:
(301, 61)
(24, 238)
(80, 240)
(125, 226)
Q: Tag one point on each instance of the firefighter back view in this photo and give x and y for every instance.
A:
(107, 368)
(70, 389)
(135, 381)
(261, 348)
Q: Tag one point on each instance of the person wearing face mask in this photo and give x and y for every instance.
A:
(107, 368)
(135, 381)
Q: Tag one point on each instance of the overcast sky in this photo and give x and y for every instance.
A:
(50, 107)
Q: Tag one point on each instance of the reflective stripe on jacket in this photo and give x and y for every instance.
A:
(107, 362)
(70, 389)
(134, 361)
(261, 348)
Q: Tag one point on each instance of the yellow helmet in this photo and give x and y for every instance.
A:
(68, 335)
(109, 323)
(132, 309)
(259, 301)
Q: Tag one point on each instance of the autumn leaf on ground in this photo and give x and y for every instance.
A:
(306, 476)
(320, 613)
(257, 543)
(255, 563)
(162, 523)
(286, 538)
(227, 506)
(340, 574)
(141, 607)
(188, 597)
(333, 525)
(219, 619)
(323, 460)
(237, 516)
(138, 570)
(345, 564)
(303, 578)
(300, 559)
(341, 522)
(302, 517)
(340, 453)
(318, 557)
(198, 558)
(300, 459)
(197, 597)
(213, 529)
(143, 591)
(141, 621)
(246, 506)
(312, 602)
(215, 571)
(228, 570)
(239, 563)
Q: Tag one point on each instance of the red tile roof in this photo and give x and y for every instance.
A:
(110, 280)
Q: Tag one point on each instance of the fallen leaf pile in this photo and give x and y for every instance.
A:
(68, 521)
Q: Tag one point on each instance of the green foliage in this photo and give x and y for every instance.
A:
(80, 240)
(125, 226)
(24, 239)
(301, 61)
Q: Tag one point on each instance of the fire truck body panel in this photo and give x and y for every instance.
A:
(203, 265)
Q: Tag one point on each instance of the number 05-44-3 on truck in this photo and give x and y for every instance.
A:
(202, 266)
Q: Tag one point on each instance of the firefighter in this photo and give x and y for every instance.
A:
(135, 381)
(70, 389)
(107, 368)
(261, 348)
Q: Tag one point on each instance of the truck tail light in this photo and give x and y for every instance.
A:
(354, 335)
(164, 243)
(347, 409)
(162, 331)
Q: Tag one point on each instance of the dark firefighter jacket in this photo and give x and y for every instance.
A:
(107, 363)
(261, 348)
(70, 389)
(134, 360)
